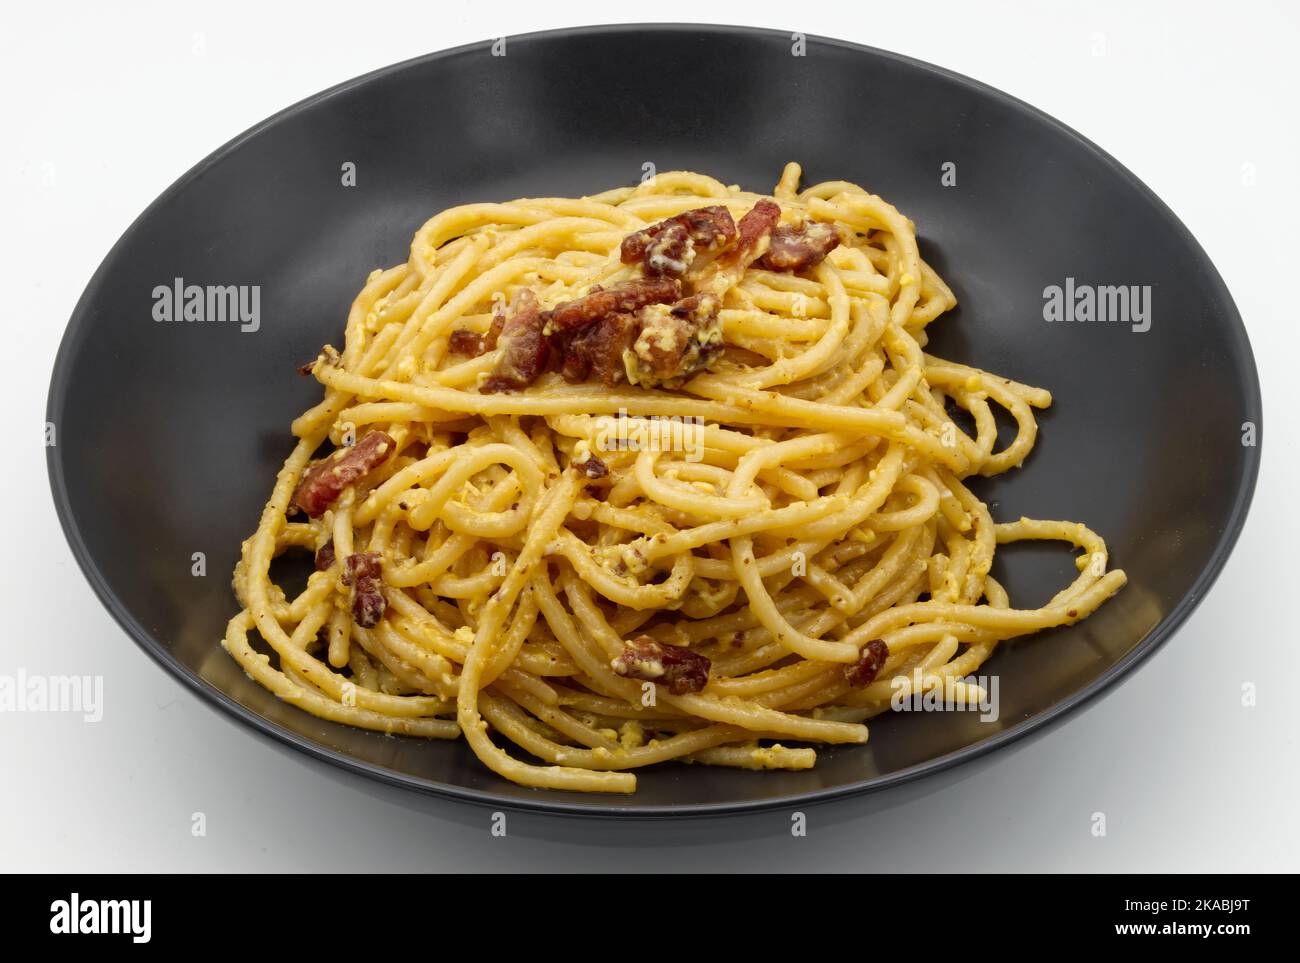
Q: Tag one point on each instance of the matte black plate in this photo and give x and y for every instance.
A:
(169, 434)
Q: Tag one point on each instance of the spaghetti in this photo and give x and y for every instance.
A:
(661, 473)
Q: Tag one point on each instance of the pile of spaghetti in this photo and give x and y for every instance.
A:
(664, 473)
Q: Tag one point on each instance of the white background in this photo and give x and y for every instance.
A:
(102, 108)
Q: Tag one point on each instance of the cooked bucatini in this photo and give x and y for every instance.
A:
(664, 473)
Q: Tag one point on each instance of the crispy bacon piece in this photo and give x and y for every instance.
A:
(623, 298)
(755, 227)
(328, 354)
(463, 341)
(680, 669)
(753, 236)
(593, 467)
(669, 253)
(362, 571)
(325, 556)
(322, 484)
(864, 671)
(361, 565)
(796, 249)
(597, 350)
(666, 249)
(674, 342)
(524, 348)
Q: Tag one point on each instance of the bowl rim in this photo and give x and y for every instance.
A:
(545, 802)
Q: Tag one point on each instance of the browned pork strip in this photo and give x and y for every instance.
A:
(621, 298)
(864, 671)
(325, 556)
(596, 351)
(593, 467)
(799, 248)
(754, 228)
(678, 340)
(753, 236)
(524, 347)
(362, 571)
(322, 484)
(666, 249)
(680, 669)
(463, 341)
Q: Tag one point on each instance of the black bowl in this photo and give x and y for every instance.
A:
(169, 433)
